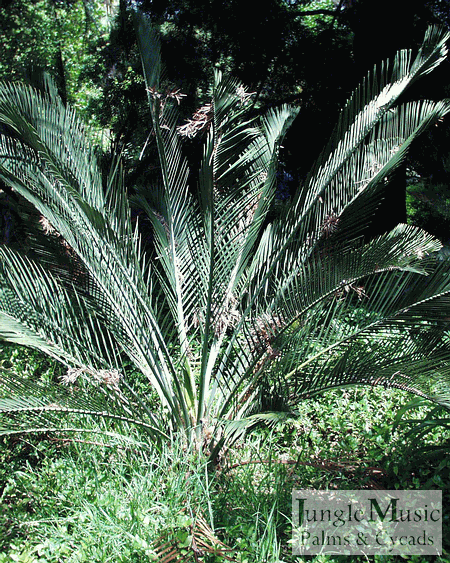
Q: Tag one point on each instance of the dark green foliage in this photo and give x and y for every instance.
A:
(428, 207)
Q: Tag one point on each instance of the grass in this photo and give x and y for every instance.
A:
(85, 499)
(96, 503)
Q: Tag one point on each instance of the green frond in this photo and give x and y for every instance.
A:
(387, 339)
(41, 175)
(37, 311)
(297, 322)
(150, 49)
(32, 406)
(331, 184)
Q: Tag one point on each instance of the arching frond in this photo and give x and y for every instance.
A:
(32, 406)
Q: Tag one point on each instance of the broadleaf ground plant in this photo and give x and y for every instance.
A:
(239, 313)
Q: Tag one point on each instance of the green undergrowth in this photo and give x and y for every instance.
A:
(29, 362)
(96, 497)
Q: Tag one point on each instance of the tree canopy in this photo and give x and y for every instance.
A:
(317, 52)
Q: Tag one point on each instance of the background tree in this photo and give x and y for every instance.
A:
(53, 36)
(316, 54)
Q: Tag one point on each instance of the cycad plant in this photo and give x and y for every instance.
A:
(236, 311)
